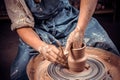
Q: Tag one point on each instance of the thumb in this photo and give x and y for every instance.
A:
(68, 47)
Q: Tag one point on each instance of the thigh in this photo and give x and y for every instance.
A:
(96, 36)
(18, 67)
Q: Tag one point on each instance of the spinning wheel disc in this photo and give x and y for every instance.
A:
(96, 71)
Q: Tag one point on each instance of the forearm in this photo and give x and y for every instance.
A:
(29, 36)
(87, 8)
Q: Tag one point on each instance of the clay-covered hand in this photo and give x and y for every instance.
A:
(52, 53)
(74, 40)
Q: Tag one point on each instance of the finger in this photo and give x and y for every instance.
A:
(51, 55)
(55, 58)
(46, 56)
(55, 49)
(58, 57)
(56, 52)
(61, 58)
(61, 61)
(61, 52)
(68, 47)
(77, 44)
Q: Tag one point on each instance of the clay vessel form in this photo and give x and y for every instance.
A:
(77, 59)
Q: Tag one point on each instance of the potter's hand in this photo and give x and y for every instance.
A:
(51, 53)
(74, 40)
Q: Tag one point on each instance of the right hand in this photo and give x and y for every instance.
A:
(52, 53)
(74, 40)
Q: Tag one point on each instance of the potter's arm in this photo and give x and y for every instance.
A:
(23, 24)
(75, 38)
(87, 8)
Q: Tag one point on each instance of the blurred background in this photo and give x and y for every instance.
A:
(107, 13)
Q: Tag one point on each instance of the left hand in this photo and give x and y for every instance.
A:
(52, 53)
(74, 40)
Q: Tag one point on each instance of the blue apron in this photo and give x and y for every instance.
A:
(55, 20)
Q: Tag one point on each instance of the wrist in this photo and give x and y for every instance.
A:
(79, 28)
(42, 47)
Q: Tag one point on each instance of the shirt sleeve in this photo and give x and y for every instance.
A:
(19, 14)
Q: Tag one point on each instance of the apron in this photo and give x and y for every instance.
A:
(55, 20)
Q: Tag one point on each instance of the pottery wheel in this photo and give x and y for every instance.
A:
(101, 65)
(95, 71)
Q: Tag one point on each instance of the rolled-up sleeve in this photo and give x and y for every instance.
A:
(19, 14)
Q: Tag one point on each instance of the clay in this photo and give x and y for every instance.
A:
(96, 71)
(77, 59)
(39, 69)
